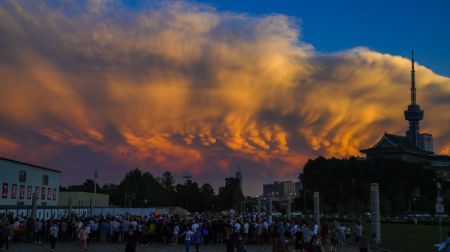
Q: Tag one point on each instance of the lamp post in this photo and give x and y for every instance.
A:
(439, 208)
(304, 199)
(354, 198)
(187, 178)
(95, 180)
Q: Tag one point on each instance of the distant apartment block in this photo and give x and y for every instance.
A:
(282, 189)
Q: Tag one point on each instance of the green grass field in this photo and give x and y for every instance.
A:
(410, 238)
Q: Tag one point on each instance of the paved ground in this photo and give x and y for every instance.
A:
(109, 247)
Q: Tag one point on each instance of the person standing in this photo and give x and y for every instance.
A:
(307, 237)
(358, 232)
(83, 236)
(176, 230)
(188, 235)
(53, 235)
(298, 240)
(240, 242)
(197, 239)
(37, 231)
(363, 243)
(131, 238)
(229, 238)
(4, 233)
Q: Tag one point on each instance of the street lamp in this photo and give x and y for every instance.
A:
(187, 178)
(439, 208)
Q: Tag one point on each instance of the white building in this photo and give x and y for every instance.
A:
(20, 180)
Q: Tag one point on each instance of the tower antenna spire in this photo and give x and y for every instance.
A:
(413, 79)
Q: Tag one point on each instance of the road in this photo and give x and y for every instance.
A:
(120, 247)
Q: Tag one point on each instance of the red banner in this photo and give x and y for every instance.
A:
(29, 192)
(54, 194)
(49, 194)
(43, 193)
(22, 192)
(14, 191)
(5, 191)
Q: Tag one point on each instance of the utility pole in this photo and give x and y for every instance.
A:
(304, 199)
(95, 181)
(354, 199)
(187, 178)
(439, 208)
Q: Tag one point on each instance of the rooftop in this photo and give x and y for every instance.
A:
(32, 165)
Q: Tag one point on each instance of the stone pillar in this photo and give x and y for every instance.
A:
(33, 207)
(316, 207)
(375, 211)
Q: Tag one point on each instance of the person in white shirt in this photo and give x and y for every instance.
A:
(315, 228)
(176, 230)
(53, 235)
(188, 235)
(245, 228)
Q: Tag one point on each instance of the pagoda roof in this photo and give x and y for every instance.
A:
(394, 143)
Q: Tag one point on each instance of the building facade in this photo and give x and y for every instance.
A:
(282, 189)
(20, 180)
(83, 199)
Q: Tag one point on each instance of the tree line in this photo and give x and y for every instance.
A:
(344, 185)
(142, 189)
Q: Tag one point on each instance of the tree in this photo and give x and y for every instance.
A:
(167, 181)
(230, 196)
(188, 195)
(145, 189)
(345, 184)
(207, 197)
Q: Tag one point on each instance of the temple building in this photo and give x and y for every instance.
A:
(414, 147)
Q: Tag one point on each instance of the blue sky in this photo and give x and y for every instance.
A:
(392, 27)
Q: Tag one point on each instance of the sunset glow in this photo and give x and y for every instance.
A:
(186, 88)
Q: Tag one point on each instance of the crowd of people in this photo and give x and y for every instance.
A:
(234, 232)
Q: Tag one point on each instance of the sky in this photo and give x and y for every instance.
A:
(200, 88)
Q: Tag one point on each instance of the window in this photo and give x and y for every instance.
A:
(5, 190)
(14, 191)
(44, 179)
(43, 193)
(37, 192)
(22, 176)
(29, 192)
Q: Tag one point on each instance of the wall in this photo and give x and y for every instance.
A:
(83, 199)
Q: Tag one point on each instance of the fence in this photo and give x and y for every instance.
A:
(52, 212)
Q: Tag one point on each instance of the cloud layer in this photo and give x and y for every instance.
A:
(185, 88)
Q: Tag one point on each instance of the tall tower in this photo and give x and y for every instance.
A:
(413, 114)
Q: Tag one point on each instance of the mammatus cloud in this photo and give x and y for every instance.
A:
(183, 87)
